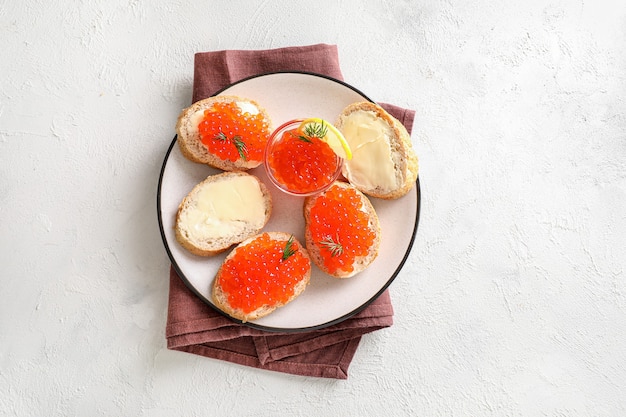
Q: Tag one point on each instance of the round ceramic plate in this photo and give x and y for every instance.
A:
(326, 300)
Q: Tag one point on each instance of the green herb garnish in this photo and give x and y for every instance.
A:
(289, 249)
(237, 141)
(314, 130)
(335, 248)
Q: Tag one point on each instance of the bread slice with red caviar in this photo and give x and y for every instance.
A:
(342, 230)
(261, 274)
(221, 211)
(384, 163)
(225, 132)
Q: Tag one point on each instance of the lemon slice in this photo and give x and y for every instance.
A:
(329, 134)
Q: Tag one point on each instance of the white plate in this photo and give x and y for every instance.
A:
(326, 300)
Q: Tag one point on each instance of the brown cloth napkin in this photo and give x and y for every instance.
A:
(194, 327)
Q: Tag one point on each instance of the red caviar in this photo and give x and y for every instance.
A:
(301, 164)
(257, 275)
(340, 228)
(231, 134)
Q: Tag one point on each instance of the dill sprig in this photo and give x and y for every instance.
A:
(289, 249)
(314, 130)
(335, 248)
(240, 145)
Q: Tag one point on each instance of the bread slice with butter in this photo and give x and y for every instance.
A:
(190, 141)
(221, 211)
(384, 163)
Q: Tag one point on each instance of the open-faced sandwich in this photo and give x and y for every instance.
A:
(383, 163)
(342, 230)
(261, 274)
(225, 132)
(221, 211)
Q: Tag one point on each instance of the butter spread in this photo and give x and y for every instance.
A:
(225, 208)
(194, 121)
(247, 107)
(369, 138)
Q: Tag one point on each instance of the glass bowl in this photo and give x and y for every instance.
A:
(298, 164)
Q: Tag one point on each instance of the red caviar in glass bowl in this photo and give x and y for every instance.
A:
(298, 164)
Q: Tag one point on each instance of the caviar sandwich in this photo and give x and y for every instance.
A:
(342, 230)
(261, 274)
(225, 132)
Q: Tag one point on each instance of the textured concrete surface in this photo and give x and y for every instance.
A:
(513, 300)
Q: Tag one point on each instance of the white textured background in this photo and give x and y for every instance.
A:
(513, 301)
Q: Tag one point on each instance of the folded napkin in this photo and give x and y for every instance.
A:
(194, 327)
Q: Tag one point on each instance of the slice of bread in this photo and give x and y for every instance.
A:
(221, 211)
(384, 163)
(339, 242)
(190, 143)
(248, 287)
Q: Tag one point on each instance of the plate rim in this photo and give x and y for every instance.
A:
(257, 326)
(314, 74)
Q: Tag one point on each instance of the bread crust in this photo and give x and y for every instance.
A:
(189, 141)
(406, 162)
(361, 263)
(220, 298)
(214, 247)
